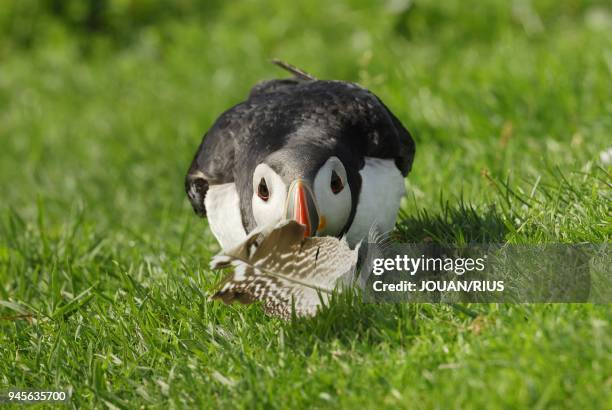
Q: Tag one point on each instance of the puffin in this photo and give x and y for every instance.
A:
(325, 153)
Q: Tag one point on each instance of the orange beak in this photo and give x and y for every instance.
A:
(301, 207)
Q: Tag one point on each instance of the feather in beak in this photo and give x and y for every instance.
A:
(285, 270)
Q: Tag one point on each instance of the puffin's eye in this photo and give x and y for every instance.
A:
(262, 190)
(336, 184)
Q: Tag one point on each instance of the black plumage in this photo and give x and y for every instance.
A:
(295, 125)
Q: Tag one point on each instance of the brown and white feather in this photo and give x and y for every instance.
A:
(285, 270)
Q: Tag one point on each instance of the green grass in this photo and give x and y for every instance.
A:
(104, 273)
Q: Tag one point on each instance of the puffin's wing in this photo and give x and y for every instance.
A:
(407, 149)
(210, 181)
(386, 136)
(213, 163)
(366, 125)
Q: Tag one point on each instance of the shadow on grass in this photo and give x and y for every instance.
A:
(458, 225)
(348, 319)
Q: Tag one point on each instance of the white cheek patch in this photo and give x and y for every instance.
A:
(382, 188)
(271, 211)
(335, 208)
(223, 214)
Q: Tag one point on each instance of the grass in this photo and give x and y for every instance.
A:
(104, 267)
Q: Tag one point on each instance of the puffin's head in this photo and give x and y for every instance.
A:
(309, 185)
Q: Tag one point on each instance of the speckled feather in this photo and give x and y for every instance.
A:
(285, 270)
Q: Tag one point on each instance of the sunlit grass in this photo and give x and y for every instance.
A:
(104, 267)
